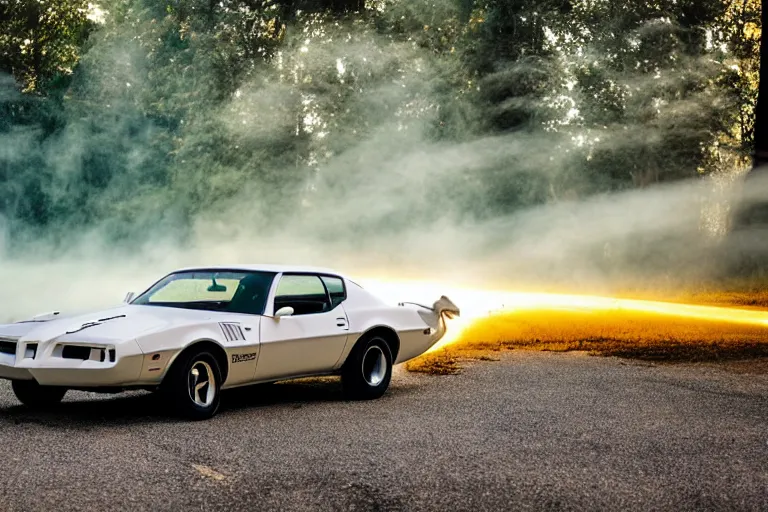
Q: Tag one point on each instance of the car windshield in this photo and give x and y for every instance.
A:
(213, 290)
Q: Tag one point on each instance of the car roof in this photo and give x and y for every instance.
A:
(265, 268)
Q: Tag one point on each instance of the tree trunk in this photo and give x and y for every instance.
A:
(760, 157)
(746, 251)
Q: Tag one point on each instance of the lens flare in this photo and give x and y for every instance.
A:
(479, 303)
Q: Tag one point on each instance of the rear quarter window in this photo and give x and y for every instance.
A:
(300, 285)
(335, 289)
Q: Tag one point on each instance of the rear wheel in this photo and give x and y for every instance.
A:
(368, 370)
(193, 384)
(32, 394)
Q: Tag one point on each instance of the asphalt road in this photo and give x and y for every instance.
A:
(532, 431)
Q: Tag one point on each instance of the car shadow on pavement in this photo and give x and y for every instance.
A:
(302, 391)
(80, 410)
(91, 409)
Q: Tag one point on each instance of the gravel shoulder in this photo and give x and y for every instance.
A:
(531, 431)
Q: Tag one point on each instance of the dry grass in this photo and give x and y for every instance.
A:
(756, 298)
(751, 293)
(624, 333)
(448, 360)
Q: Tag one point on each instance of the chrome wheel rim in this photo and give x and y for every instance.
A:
(201, 384)
(374, 365)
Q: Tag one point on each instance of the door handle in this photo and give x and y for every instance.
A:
(342, 322)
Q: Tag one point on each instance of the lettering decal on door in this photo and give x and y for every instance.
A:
(241, 358)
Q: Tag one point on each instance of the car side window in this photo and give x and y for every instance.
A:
(304, 293)
(336, 289)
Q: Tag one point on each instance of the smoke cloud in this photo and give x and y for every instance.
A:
(375, 193)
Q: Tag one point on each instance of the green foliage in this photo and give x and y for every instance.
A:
(40, 41)
(166, 110)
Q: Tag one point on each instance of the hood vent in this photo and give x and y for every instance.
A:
(232, 331)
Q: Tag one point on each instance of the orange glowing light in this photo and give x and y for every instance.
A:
(476, 304)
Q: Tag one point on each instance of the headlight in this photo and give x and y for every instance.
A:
(87, 352)
(8, 345)
(30, 351)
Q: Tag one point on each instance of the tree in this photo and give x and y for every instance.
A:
(40, 42)
(761, 109)
(747, 243)
(175, 104)
(756, 212)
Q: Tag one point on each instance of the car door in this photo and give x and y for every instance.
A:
(309, 341)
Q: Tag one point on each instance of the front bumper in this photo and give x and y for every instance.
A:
(49, 367)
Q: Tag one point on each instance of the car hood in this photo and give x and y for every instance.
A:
(120, 323)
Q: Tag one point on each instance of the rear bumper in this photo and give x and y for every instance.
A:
(52, 370)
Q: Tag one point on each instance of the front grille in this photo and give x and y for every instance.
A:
(8, 347)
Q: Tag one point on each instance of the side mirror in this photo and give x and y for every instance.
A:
(284, 311)
(129, 297)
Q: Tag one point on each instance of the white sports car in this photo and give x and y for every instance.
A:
(197, 331)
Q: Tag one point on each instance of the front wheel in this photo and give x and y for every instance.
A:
(32, 394)
(193, 384)
(368, 370)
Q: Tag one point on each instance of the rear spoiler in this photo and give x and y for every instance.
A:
(442, 307)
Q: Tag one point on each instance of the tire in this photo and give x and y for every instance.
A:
(32, 394)
(368, 369)
(192, 387)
